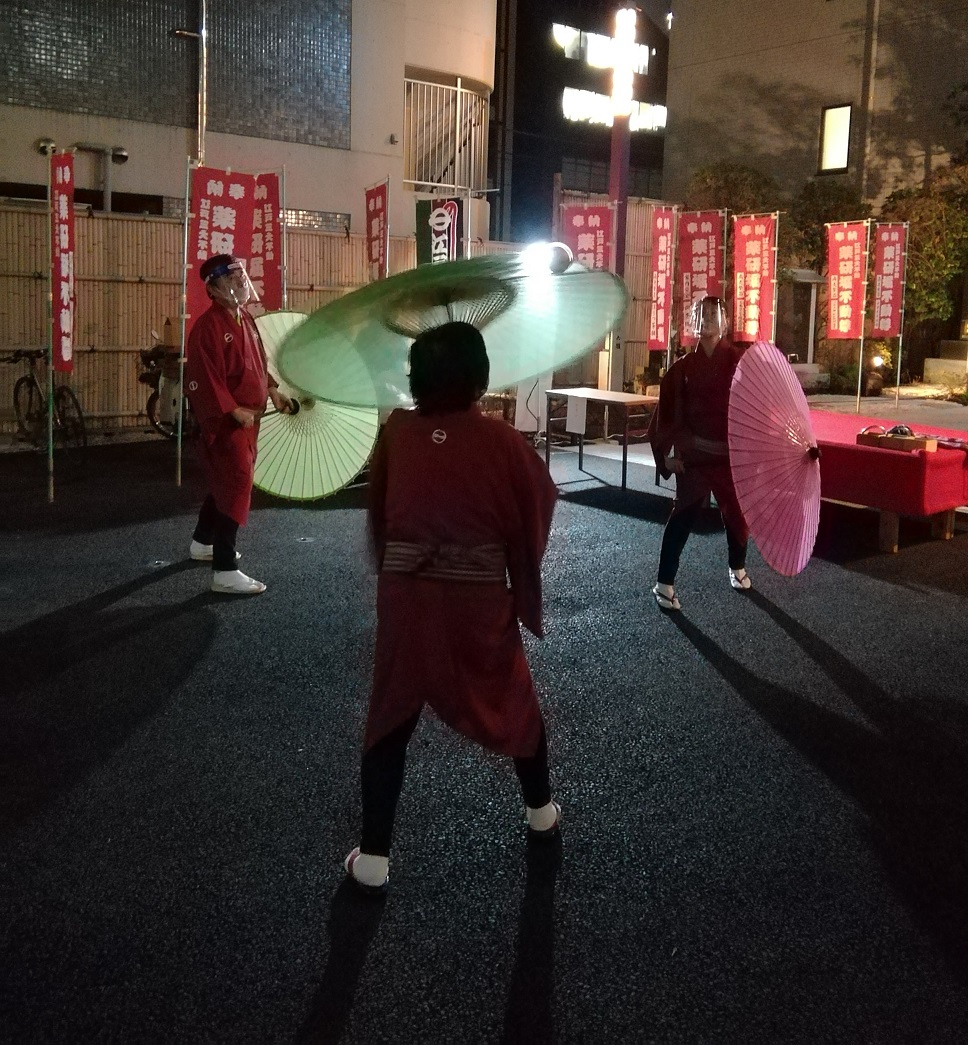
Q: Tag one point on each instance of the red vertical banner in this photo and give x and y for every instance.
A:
(62, 260)
(701, 253)
(847, 246)
(265, 248)
(663, 241)
(754, 270)
(377, 230)
(222, 208)
(890, 249)
(587, 231)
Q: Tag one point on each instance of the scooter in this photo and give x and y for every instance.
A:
(162, 373)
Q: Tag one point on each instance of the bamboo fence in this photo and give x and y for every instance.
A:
(128, 275)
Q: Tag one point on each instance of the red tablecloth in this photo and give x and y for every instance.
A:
(909, 482)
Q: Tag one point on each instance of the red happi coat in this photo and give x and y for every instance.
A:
(225, 367)
(693, 417)
(459, 479)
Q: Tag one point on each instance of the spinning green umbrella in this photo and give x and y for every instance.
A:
(538, 311)
(320, 447)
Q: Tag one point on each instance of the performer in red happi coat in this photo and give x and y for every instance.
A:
(688, 436)
(460, 511)
(228, 385)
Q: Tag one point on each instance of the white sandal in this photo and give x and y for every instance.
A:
(665, 597)
(740, 580)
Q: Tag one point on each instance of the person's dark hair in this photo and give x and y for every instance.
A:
(449, 368)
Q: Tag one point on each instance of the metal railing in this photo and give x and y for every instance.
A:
(445, 138)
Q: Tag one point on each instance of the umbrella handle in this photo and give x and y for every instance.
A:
(293, 409)
(813, 452)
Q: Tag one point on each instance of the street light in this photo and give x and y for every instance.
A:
(623, 66)
(623, 69)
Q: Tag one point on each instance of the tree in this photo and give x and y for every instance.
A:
(820, 201)
(732, 186)
(745, 190)
(937, 240)
(956, 106)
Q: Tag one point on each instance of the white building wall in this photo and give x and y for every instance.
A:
(454, 37)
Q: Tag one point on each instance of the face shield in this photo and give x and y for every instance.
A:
(232, 286)
(709, 318)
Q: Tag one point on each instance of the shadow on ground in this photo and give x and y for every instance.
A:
(354, 921)
(120, 484)
(79, 680)
(906, 767)
(849, 537)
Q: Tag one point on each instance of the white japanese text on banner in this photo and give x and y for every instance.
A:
(754, 270)
(890, 247)
(62, 260)
(587, 232)
(663, 240)
(701, 254)
(377, 230)
(238, 214)
(847, 246)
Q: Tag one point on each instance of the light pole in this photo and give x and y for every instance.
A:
(202, 37)
(623, 68)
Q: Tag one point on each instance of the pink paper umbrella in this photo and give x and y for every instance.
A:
(774, 458)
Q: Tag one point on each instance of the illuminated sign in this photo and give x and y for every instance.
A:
(596, 50)
(589, 107)
(626, 58)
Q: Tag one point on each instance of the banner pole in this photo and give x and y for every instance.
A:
(900, 336)
(676, 217)
(284, 235)
(730, 242)
(724, 214)
(184, 322)
(50, 329)
(776, 273)
(386, 235)
(863, 312)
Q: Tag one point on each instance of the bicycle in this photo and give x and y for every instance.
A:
(30, 405)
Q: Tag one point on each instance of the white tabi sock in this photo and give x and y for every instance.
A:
(542, 819)
(371, 870)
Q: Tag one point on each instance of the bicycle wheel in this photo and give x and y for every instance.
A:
(29, 405)
(70, 420)
(161, 427)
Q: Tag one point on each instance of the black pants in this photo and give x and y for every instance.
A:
(678, 528)
(381, 778)
(218, 530)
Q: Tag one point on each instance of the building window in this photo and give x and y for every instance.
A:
(444, 138)
(645, 182)
(834, 139)
(581, 175)
(317, 220)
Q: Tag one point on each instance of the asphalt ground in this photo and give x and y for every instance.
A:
(764, 834)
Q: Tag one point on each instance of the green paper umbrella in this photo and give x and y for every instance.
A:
(354, 350)
(322, 446)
